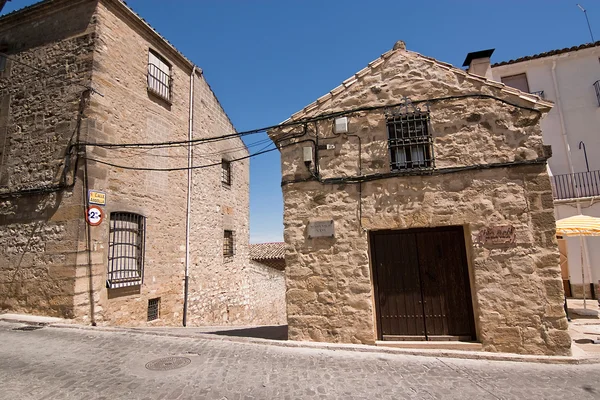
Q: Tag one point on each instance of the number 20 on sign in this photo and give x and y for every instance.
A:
(94, 215)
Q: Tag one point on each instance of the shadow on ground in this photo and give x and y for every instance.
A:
(277, 332)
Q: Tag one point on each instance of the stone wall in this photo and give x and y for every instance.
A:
(516, 291)
(265, 288)
(41, 208)
(45, 265)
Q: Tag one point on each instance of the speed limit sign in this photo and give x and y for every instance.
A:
(94, 215)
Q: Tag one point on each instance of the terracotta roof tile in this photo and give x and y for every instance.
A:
(267, 251)
(548, 53)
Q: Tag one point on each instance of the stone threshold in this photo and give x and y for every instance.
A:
(437, 345)
(578, 358)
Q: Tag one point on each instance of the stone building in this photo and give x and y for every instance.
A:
(417, 206)
(79, 80)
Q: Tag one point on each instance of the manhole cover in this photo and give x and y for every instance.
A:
(28, 328)
(165, 364)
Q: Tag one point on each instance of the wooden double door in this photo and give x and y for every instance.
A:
(422, 289)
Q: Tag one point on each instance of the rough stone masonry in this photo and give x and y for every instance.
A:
(489, 171)
(51, 263)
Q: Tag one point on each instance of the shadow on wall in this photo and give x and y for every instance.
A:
(33, 276)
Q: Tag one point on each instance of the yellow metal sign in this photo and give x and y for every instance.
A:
(95, 197)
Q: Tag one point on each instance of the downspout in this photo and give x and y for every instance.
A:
(186, 283)
(582, 242)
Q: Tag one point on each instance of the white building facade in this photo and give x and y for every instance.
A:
(571, 79)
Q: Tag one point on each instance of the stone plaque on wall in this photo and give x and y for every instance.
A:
(321, 229)
(496, 235)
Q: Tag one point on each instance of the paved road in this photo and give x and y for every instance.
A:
(63, 363)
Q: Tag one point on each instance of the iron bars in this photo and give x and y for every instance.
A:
(409, 138)
(159, 82)
(577, 185)
(126, 249)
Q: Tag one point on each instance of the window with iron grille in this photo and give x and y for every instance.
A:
(226, 172)
(228, 243)
(126, 249)
(159, 76)
(409, 141)
(153, 309)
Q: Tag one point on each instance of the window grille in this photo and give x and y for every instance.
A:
(226, 172)
(228, 244)
(409, 139)
(159, 76)
(126, 247)
(153, 309)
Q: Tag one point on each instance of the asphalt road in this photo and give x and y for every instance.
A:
(65, 363)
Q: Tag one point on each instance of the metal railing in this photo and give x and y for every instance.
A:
(597, 87)
(159, 82)
(573, 186)
(539, 93)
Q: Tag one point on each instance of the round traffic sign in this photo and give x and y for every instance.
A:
(94, 215)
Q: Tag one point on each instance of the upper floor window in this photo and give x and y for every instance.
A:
(126, 245)
(409, 140)
(517, 81)
(226, 172)
(228, 244)
(159, 76)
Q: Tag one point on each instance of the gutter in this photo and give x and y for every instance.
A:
(189, 199)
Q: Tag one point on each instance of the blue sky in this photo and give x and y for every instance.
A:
(266, 60)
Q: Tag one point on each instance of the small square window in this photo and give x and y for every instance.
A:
(228, 244)
(159, 76)
(153, 309)
(517, 81)
(226, 172)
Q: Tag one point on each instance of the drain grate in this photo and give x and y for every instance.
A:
(168, 363)
(28, 328)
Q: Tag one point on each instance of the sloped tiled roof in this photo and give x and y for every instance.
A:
(548, 54)
(267, 251)
(449, 67)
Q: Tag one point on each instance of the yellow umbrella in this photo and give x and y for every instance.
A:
(579, 225)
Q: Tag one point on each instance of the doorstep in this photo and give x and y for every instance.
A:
(431, 345)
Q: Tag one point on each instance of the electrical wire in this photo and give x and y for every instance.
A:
(67, 80)
(303, 121)
(178, 168)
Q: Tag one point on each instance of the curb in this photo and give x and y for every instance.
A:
(359, 348)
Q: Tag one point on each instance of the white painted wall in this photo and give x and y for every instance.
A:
(575, 74)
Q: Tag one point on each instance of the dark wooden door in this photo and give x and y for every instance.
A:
(422, 284)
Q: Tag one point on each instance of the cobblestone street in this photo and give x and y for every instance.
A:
(66, 363)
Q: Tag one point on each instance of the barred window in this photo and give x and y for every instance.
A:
(226, 172)
(159, 76)
(126, 249)
(153, 309)
(228, 244)
(410, 141)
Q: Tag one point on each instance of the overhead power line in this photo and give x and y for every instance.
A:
(303, 121)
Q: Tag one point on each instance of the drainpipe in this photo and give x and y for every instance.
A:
(186, 284)
(582, 242)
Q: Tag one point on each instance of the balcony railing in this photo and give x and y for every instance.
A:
(572, 186)
(539, 93)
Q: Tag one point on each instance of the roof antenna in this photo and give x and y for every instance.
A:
(588, 21)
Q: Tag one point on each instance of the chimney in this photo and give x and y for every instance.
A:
(479, 63)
